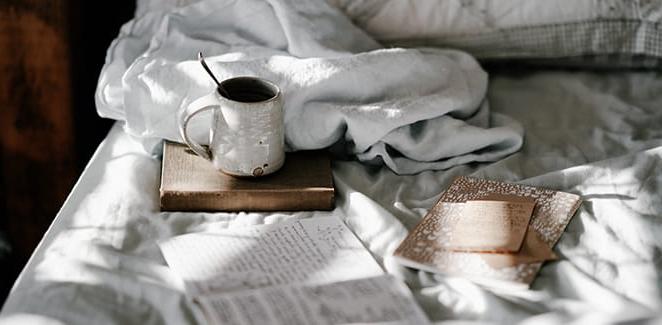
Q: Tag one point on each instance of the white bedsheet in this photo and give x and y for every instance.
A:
(598, 135)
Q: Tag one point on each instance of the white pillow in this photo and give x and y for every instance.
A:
(625, 31)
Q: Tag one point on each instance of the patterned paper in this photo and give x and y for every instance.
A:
(427, 245)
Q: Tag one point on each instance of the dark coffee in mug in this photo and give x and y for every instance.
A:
(248, 90)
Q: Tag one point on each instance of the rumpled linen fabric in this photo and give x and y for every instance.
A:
(411, 109)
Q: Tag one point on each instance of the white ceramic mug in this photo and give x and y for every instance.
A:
(247, 132)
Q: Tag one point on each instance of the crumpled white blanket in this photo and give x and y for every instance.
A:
(412, 109)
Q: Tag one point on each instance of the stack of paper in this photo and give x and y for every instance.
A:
(496, 234)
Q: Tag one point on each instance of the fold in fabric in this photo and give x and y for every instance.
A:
(410, 109)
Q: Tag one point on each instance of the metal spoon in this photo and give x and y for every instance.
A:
(221, 90)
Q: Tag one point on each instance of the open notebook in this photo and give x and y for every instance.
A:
(427, 245)
(303, 271)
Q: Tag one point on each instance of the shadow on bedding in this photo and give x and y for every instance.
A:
(612, 260)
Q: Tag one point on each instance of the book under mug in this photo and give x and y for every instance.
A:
(190, 183)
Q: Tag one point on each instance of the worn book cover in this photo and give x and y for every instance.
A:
(190, 183)
(429, 246)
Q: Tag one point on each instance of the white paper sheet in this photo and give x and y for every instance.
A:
(380, 300)
(314, 251)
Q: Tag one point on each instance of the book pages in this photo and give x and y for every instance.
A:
(310, 251)
(377, 300)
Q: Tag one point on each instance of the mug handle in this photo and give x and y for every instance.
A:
(201, 104)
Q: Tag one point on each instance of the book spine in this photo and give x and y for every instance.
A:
(322, 199)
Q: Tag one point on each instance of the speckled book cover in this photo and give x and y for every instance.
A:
(429, 245)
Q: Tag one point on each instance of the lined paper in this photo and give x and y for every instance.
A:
(382, 300)
(309, 251)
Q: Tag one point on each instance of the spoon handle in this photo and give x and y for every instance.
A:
(206, 67)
